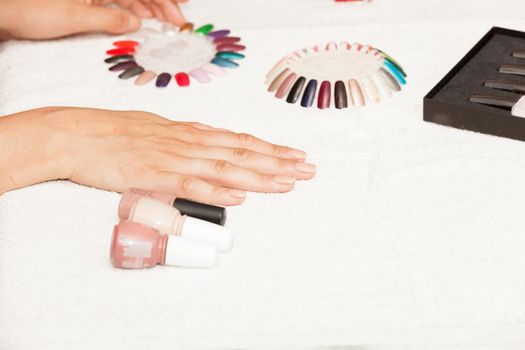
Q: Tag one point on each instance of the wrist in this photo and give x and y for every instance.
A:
(32, 149)
(6, 18)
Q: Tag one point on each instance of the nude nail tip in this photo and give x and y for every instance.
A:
(309, 94)
(278, 80)
(223, 62)
(122, 66)
(163, 80)
(341, 98)
(118, 58)
(285, 86)
(200, 75)
(214, 69)
(325, 95)
(145, 78)
(131, 72)
(296, 90)
(356, 94)
(219, 33)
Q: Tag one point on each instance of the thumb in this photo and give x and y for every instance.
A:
(104, 19)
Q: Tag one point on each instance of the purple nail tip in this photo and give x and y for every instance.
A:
(219, 33)
(163, 80)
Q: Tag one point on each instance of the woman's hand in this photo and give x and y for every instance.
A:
(47, 19)
(115, 150)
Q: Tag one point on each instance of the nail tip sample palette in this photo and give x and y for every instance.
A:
(484, 91)
(340, 75)
(175, 55)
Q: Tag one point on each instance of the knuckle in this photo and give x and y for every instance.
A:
(246, 139)
(279, 151)
(241, 155)
(187, 184)
(222, 166)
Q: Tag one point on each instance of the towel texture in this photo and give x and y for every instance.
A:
(411, 232)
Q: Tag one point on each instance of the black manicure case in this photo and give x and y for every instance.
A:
(448, 102)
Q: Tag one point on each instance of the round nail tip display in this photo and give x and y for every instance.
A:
(348, 75)
(139, 54)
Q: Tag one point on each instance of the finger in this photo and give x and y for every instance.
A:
(230, 175)
(258, 162)
(103, 19)
(192, 188)
(172, 12)
(206, 127)
(141, 10)
(233, 140)
(157, 11)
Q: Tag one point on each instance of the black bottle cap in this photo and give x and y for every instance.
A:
(211, 213)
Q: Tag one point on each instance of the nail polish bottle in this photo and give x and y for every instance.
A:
(207, 212)
(169, 221)
(135, 246)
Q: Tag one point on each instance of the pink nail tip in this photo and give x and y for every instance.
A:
(230, 47)
(200, 75)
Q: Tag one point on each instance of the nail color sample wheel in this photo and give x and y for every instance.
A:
(340, 75)
(171, 54)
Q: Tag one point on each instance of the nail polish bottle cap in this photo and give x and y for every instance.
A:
(207, 232)
(207, 212)
(187, 253)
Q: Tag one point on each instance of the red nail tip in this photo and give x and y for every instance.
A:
(324, 95)
(182, 79)
(120, 51)
(126, 44)
(230, 47)
(227, 40)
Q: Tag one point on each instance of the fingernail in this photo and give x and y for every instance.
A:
(305, 168)
(295, 153)
(237, 194)
(284, 180)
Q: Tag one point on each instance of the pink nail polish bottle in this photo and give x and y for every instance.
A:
(135, 246)
(168, 221)
(211, 213)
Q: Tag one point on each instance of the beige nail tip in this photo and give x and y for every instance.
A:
(306, 168)
(356, 93)
(371, 90)
(284, 180)
(145, 78)
(278, 80)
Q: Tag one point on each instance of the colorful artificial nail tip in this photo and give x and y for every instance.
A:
(285, 86)
(163, 80)
(219, 33)
(309, 94)
(131, 72)
(200, 75)
(126, 43)
(325, 95)
(393, 70)
(390, 80)
(118, 58)
(120, 51)
(341, 99)
(122, 66)
(230, 55)
(296, 90)
(226, 40)
(358, 99)
(205, 29)
(182, 79)
(230, 47)
(214, 69)
(145, 78)
(222, 62)
(187, 27)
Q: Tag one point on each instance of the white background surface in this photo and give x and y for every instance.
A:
(411, 233)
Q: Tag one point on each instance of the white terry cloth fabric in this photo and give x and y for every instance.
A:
(411, 232)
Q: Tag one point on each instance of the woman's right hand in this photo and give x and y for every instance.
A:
(115, 150)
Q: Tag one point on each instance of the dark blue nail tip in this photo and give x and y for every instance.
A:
(309, 94)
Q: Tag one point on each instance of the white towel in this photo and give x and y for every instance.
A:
(411, 233)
